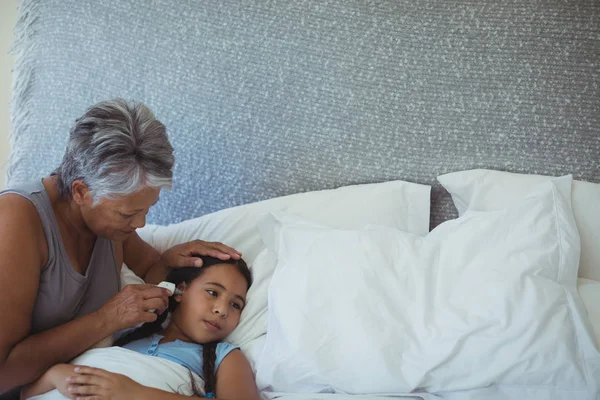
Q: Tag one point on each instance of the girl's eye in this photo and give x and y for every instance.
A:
(236, 306)
(212, 292)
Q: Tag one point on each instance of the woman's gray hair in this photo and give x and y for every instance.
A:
(116, 148)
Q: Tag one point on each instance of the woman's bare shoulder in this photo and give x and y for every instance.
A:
(21, 225)
(17, 208)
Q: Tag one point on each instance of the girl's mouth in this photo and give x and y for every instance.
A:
(212, 326)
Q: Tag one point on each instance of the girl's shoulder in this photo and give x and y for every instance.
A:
(224, 348)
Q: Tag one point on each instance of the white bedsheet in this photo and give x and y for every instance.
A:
(589, 291)
(289, 396)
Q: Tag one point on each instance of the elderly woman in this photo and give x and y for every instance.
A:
(64, 238)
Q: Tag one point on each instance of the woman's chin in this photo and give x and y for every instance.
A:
(119, 235)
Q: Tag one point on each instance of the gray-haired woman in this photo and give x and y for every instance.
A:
(64, 238)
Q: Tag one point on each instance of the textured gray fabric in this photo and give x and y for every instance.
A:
(267, 98)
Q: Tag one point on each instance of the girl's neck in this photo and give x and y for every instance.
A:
(172, 333)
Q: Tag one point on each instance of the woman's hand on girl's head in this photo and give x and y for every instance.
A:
(186, 254)
(96, 384)
(132, 305)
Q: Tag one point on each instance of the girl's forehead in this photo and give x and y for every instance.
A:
(217, 271)
(226, 275)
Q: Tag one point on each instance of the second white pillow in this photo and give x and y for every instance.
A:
(486, 302)
(488, 190)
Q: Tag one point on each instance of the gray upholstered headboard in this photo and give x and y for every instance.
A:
(265, 98)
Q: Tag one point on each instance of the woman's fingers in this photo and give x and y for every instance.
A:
(188, 254)
(126, 308)
(156, 293)
(141, 286)
(218, 246)
(154, 304)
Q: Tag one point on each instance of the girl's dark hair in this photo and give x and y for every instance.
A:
(187, 275)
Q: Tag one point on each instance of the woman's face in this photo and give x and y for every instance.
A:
(119, 217)
(210, 307)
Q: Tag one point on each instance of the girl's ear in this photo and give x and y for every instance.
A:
(182, 287)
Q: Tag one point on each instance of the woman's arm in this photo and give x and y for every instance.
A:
(30, 357)
(41, 385)
(24, 358)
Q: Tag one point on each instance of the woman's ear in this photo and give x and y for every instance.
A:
(81, 193)
(181, 288)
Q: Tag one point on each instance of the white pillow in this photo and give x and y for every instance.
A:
(397, 204)
(487, 190)
(486, 302)
(589, 291)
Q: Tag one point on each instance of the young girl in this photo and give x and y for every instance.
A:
(207, 311)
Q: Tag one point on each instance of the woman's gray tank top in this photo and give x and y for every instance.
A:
(63, 293)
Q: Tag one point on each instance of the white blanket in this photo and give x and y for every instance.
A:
(149, 371)
(327, 396)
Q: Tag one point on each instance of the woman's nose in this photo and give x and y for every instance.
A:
(139, 221)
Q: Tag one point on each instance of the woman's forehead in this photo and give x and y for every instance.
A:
(139, 200)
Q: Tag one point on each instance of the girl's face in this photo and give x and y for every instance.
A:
(210, 307)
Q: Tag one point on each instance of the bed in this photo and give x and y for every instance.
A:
(465, 105)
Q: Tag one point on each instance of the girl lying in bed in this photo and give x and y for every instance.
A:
(204, 314)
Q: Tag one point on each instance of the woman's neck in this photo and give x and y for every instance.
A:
(67, 211)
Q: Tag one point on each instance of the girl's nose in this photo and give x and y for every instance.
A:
(220, 308)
